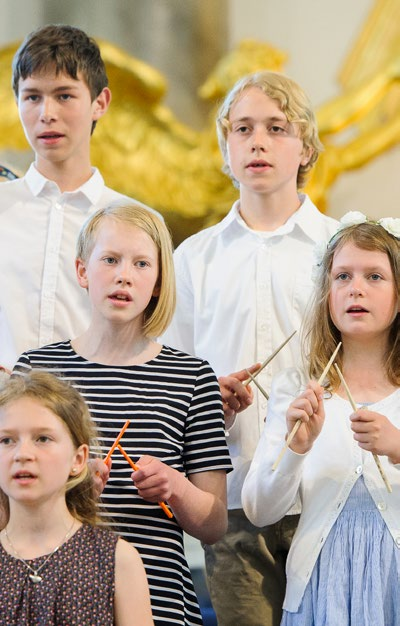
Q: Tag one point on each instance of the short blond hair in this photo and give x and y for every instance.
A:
(160, 309)
(293, 102)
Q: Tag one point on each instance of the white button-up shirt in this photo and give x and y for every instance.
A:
(40, 299)
(240, 294)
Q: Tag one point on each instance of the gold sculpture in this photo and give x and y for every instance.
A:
(144, 151)
(364, 121)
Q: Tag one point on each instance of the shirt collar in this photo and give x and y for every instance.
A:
(91, 190)
(305, 219)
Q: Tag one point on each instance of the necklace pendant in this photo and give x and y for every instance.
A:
(35, 578)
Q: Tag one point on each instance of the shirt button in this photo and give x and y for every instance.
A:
(397, 540)
(359, 469)
(382, 506)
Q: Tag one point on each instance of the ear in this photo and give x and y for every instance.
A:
(81, 274)
(306, 156)
(101, 104)
(156, 290)
(80, 459)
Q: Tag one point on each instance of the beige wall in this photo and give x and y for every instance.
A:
(318, 36)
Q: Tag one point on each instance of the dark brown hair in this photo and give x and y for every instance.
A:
(64, 49)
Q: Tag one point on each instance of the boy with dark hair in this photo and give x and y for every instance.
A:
(242, 288)
(60, 84)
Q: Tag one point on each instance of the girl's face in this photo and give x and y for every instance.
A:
(121, 273)
(363, 300)
(37, 454)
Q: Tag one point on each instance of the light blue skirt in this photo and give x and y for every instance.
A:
(356, 579)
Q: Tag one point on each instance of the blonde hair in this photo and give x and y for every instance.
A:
(321, 335)
(68, 405)
(292, 101)
(160, 309)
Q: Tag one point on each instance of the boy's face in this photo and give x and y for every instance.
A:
(121, 273)
(264, 149)
(57, 113)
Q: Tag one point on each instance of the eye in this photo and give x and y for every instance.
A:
(276, 130)
(343, 276)
(109, 260)
(43, 439)
(242, 129)
(5, 441)
(142, 264)
(32, 98)
(375, 277)
(64, 97)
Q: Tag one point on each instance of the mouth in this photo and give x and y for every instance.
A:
(23, 475)
(258, 164)
(120, 296)
(50, 135)
(356, 309)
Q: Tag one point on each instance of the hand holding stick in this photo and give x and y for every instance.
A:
(264, 393)
(298, 423)
(354, 407)
(135, 467)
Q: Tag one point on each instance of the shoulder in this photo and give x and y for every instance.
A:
(318, 224)
(173, 355)
(59, 347)
(43, 357)
(208, 237)
(110, 196)
(13, 191)
(195, 241)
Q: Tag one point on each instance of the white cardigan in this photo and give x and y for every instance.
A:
(322, 479)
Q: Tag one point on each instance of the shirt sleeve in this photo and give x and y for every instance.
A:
(205, 446)
(23, 365)
(267, 494)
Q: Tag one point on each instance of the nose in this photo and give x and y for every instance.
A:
(48, 111)
(356, 288)
(259, 140)
(23, 451)
(124, 274)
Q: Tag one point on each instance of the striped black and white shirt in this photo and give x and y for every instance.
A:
(174, 406)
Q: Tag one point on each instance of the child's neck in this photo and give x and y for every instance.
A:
(115, 346)
(364, 372)
(267, 212)
(67, 176)
(37, 531)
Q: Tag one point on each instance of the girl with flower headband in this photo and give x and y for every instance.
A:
(344, 563)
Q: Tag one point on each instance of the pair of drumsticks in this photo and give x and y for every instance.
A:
(116, 445)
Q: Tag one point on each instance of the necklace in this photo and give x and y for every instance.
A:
(35, 578)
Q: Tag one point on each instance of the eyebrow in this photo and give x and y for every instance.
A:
(59, 89)
(275, 118)
(371, 268)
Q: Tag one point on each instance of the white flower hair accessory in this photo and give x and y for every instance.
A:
(390, 224)
(352, 218)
